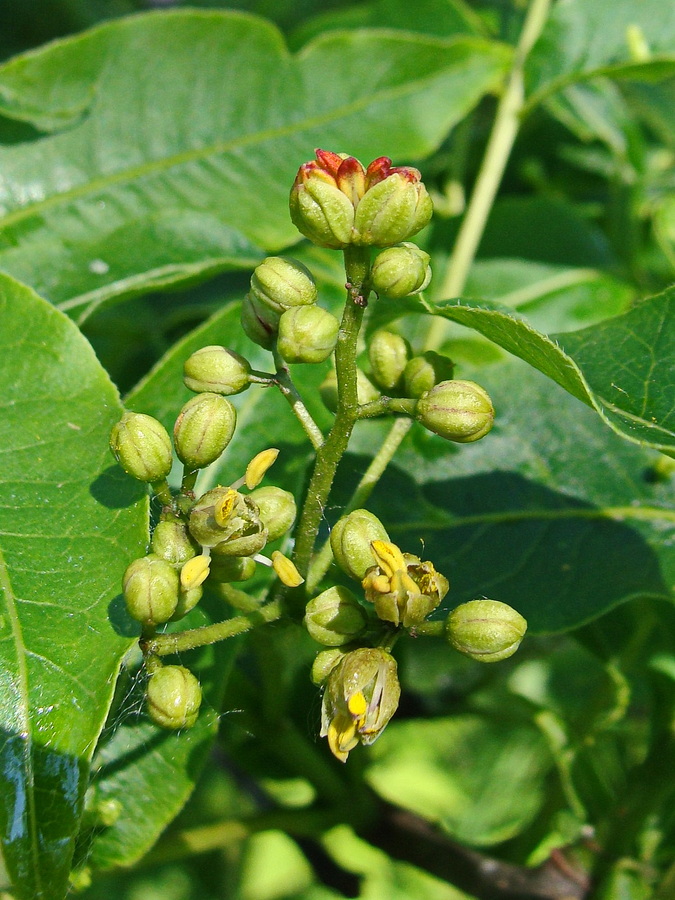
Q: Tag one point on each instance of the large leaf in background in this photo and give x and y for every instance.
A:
(176, 138)
(551, 512)
(70, 522)
(622, 367)
(583, 38)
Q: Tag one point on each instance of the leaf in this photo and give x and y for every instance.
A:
(70, 523)
(586, 38)
(184, 132)
(481, 780)
(551, 512)
(622, 366)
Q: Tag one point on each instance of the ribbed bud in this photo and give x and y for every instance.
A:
(486, 630)
(307, 334)
(277, 509)
(400, 271)
(388, 354)
(217, 370)
(351, 541)
(424, 372)
(203, 429)
(361, 696)
(172, 542)
(150, 586)
(324, 663)
(142, 446)
(458, 411)
(335, 617)
(174, 697)
(393, 210)
(365, 389)
(259, 322)
(319, 208)
(228, 522)
(225, 569)
(280, 284)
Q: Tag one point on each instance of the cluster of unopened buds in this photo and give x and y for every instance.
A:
(219, 536)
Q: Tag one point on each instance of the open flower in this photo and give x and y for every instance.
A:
(361, 696)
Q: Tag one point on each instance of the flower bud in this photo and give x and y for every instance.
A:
(400, 271)
(280, 284)
(150, 587)
(260, 323)
(351, 541)
(365, 389)
(277, 510)
(324, 663)
(225, 569)
(203, 429)
(393, 209)
(361, 696)
(187, 600)
(458, 411)
(307, 334)
(228, 522)
(388, 354)
(335, 617)
(217, 370)
(319, 208)
(171, 541)
(142, 446)
(424, 372)
(174, 697)
(485, 630)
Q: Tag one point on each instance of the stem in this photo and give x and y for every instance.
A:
(357, 266)
(164, 644)
(363, 491)
(285, 384)
(497, 152)
(389, 405)
(162, 490)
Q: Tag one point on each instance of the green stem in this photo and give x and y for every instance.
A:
(389, 405)
(285, 384)
(164, 644)
(363, 491)
(357, 266)
(497, 152)
(163, 491)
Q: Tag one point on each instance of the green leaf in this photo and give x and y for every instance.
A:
(586, 38)
(180, 135)
(481, 780)
(622, 366)
(70, 523)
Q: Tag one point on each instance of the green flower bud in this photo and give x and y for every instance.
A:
(225, 569)
(187, 600)
(324, 663)
(150, 587)
(307, 334)
(320, 208)
(141, 445)
(424, 372)
(203, 429)
(361, 696)
(388, 354)
(280, 284)
(228, 522)
(393, 210)
(335, 617)
(486, 630)
(174, 697)
(277, 509)
(365, 389)
(260, 323)
(351, 539)
(400, 271)
(171, 541)
(459, 411)
(218, 370)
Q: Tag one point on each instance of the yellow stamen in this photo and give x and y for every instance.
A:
(223, 508)
(286, 570)
(256, 469)
(194, 572)
(389, 557)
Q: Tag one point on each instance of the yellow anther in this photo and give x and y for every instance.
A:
(357, 705)
(389, 557)
(194, 572)
(223, 508)
(256, 469)
(285, 569)
(341, 739)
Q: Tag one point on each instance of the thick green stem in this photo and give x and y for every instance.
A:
(498, 150)
(357, 266)
(389, 405)
(164, 644)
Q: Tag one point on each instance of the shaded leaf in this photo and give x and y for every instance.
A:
(70, 522)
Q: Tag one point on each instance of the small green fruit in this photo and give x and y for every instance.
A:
(486, 630)
(459, 411)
